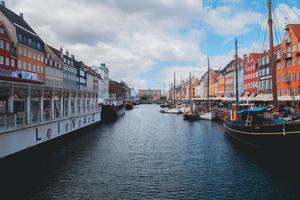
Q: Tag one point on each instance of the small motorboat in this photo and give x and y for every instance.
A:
(173, 111)
(208, 115)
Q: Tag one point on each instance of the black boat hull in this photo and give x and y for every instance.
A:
(286, 135)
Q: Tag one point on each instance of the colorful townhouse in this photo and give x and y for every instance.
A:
(288, 69)
(264, 76)
(221, 83)
(241, 70)
(251, 74)
(81, 78)
(229, 86)
(8, 56)
(30, 48)
(54, 74)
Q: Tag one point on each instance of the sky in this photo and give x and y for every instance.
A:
(144, 42)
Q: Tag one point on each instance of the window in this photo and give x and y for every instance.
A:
(24, 40)
(267, 60)
(20, 38)
(7, 47)
(267, 70)
(1, 60)
(294, 76)
(20, 64)
(294, 47)
(20, 51)
(1, 44)
(29, 42)
(12, 62)
(1, 30)
(293, 62)
(34, 55)
(38, 46)
(29, 66)
(29, 54)
(267, 84)
(288, 63)
(33, 68)
(24, 52)
(7, 61)
(24, 65)
(263, 71)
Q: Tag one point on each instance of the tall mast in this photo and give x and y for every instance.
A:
(190, 86)
(181, 85)
(236, 75)
(163, 89)
(272, 66)
(174, 89)
(207, 79)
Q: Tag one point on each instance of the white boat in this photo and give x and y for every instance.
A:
(208, 115)
(183, 109)
(173, 111)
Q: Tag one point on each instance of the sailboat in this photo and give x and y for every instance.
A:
(208, 114)
(190, 115)
(261, 126)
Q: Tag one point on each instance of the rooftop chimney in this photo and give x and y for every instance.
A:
(3, 3)
(21, 15)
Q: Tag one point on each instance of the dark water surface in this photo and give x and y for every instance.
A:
(148, 155)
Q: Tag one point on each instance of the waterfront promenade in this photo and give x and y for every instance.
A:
(148, 155)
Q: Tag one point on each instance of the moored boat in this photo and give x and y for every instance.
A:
(208, 115)
(261, 132)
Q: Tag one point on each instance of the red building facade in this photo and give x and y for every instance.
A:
(250, 73)
(8, 59)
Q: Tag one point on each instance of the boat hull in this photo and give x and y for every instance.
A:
(208, 116)
(280, 136)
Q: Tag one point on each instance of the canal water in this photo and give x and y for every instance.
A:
(149, 155)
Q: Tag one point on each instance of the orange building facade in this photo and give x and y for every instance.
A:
(288, 64)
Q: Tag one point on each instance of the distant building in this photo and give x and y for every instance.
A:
(149, 94)
(70, 71)
(54, 74)
(117, 90)
(103, 92)
(127, 90)
(229, 89)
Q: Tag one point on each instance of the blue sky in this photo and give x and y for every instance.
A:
(145, 42)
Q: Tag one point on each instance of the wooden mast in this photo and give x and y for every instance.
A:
(207, 80)
(236, 75)
(272, 66)
(174, 89)
(181, 96)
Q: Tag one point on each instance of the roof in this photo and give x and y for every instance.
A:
(296, 29)
(22, 27)
(15, 19)
(55, 51)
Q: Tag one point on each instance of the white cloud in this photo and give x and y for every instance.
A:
(132, 36)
